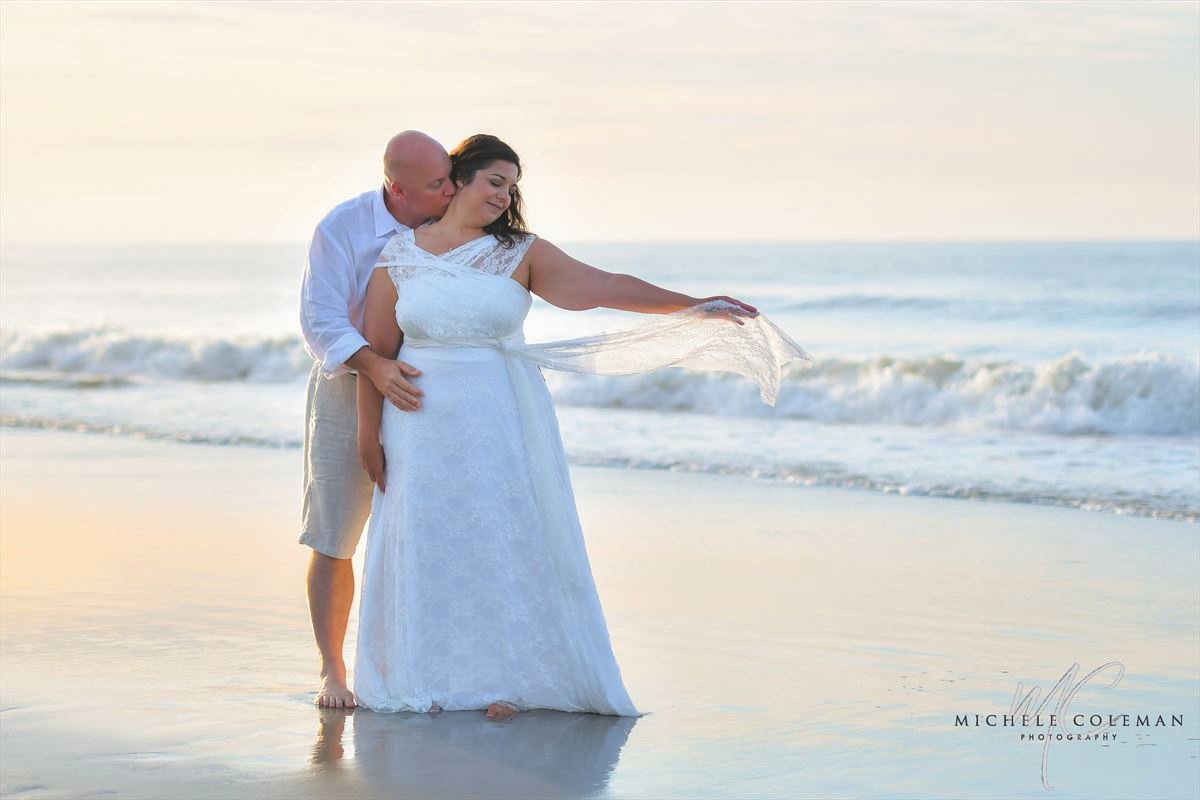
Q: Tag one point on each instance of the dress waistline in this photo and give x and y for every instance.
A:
(504, 343)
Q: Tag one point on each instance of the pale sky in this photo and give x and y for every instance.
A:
(238, 122)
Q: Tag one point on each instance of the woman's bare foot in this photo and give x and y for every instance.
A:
(500, 710)
(333, 692)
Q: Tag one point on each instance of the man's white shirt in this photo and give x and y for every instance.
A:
(341, 257)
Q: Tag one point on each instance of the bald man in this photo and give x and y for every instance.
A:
(337, 491)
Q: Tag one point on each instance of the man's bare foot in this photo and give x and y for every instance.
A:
(500, 711)
(334, 693)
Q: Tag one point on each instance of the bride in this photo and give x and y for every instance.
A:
(477, 591)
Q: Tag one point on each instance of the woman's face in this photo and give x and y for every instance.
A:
(489, 193)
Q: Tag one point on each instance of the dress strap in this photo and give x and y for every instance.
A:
(395, 248)
(503, 261)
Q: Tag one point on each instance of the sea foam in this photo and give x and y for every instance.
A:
(1147, 394)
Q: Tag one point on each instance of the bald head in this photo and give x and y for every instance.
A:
(417, 169)
(409, 154)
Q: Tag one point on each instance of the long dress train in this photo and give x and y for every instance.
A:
(477, 586)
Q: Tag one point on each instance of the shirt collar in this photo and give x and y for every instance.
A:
(385, 223)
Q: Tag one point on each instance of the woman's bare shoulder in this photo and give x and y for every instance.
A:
(544, 249)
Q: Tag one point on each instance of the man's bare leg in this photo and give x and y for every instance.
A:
(330, 595)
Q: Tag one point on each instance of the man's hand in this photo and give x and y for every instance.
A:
(370, 453)
(391, 379)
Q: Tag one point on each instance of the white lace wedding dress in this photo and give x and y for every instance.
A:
(477, 587)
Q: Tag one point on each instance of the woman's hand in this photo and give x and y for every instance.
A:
(370, 454)
(732, 314)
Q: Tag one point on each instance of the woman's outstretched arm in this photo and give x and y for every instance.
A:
(569, 283)
(383, 334)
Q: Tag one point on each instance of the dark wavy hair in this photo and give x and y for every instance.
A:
(478, 152)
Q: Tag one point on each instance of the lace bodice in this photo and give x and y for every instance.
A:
(403, 257)
(465, 292)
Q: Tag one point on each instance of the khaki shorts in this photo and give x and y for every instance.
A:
(337, 491)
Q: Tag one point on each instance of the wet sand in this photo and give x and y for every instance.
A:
(787, 641)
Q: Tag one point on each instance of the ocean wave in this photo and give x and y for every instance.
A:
(146, 432)
(58, 380)
(872, 302)
(814, 474)
(114, 354)
(1079, 309)
(1149, 394)
(821, 475)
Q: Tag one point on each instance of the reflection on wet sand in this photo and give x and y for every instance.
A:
(328, 750)
(537, 753)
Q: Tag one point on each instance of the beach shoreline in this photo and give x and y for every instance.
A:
(787, 641)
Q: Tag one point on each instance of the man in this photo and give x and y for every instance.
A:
(337, 491)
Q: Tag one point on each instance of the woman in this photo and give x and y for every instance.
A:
(477, 591)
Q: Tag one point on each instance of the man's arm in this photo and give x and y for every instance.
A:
(390, 377)
(325, 302)
(325, 322)
(365, 361)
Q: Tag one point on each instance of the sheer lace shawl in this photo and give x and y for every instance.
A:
(701, 337)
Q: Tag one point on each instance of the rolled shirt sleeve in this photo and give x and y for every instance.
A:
(325, 297)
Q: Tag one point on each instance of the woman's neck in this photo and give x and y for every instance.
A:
(453, 228)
